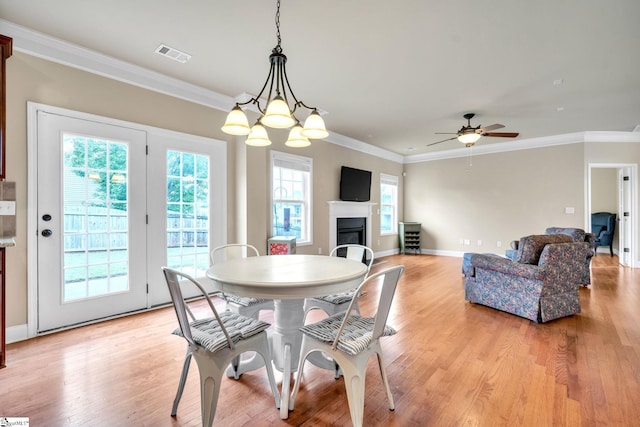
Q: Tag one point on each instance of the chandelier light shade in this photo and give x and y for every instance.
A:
(281, 106)
(314, 126)
(296, 138)
(236, 123)
(278, 115)
(258, 136)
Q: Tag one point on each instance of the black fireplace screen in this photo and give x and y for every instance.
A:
(351, 231)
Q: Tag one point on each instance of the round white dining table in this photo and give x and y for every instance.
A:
(288, 280)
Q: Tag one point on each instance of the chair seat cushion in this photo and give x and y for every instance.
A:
(355, 337)
(337, 299)
(244, 301)
(208, 334)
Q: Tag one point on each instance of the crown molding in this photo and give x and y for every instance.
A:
(526, 144)
(363, 147)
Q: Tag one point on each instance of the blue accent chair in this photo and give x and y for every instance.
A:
(603, 225)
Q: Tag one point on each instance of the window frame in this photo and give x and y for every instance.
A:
(302, 164)
(389, 180)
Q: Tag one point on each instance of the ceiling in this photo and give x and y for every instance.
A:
(390, 74)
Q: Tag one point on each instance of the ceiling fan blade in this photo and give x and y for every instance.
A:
(446, 133)
(438, 142)
(492, 127)
(502, 134)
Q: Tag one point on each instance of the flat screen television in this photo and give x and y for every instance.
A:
(355, 185)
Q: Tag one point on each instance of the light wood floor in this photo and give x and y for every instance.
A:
(451, 364)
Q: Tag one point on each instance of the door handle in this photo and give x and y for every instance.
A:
(46, 233)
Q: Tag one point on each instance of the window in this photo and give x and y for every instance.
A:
(388, 204)
(291, 196)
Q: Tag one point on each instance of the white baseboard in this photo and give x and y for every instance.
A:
(17, 333)
(456, 254)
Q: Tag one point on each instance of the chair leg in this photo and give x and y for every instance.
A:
(611, 249)
(210, 381)
(183, 380)
(235, 363)
(304, 352)
(354, 383)
(385, 380)
(266, 356)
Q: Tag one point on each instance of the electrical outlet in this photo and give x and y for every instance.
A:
(7, 207)
(462, 241)
(479, 242)
(467, 242)
(499, 243)
(319, 251)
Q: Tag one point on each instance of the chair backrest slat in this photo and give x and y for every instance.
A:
(232, 251)
(181, 307)
(390, 278)
(355, 252)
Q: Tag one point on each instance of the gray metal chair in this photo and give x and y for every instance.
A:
(214, 342)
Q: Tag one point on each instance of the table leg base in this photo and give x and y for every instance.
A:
(245, 365)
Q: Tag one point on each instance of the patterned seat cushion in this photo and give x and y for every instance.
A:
(337, 299)
(208, 334)
(355, 337)
(243, 301)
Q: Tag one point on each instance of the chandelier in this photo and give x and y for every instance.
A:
(277, 114)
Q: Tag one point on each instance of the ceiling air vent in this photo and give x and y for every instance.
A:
(172, 53)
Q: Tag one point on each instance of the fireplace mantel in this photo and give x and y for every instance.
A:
(340, 209)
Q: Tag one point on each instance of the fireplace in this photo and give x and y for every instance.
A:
(350, 213)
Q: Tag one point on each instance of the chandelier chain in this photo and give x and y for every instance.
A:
(278, 48)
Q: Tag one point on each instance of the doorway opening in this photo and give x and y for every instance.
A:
(611, 187)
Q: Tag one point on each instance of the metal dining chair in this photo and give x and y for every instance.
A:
(214, 342)
(351, 339)
(247, 306)
(336, 303)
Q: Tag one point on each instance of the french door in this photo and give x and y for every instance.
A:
(117, 201)
(91, 220)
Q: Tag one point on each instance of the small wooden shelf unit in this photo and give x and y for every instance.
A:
(409, 233)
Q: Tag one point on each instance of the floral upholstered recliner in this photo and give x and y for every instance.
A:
(577, 235)
(541, 285)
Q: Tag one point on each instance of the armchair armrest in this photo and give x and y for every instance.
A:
(506, 266)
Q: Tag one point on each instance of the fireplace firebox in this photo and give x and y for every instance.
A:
(351, 231)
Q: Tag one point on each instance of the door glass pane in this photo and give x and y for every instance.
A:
(188, 212)
(96, 260)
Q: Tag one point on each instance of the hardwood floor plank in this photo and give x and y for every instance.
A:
(451, 363)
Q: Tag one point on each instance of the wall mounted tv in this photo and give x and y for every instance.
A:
(355, 185)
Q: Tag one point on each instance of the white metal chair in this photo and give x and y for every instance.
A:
(336, 303)
(247, 306)
(215, 342)
(351, 340)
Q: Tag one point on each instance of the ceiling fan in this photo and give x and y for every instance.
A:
(468, 134)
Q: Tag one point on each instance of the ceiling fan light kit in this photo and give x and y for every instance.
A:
(277, 114)
(469, 135)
